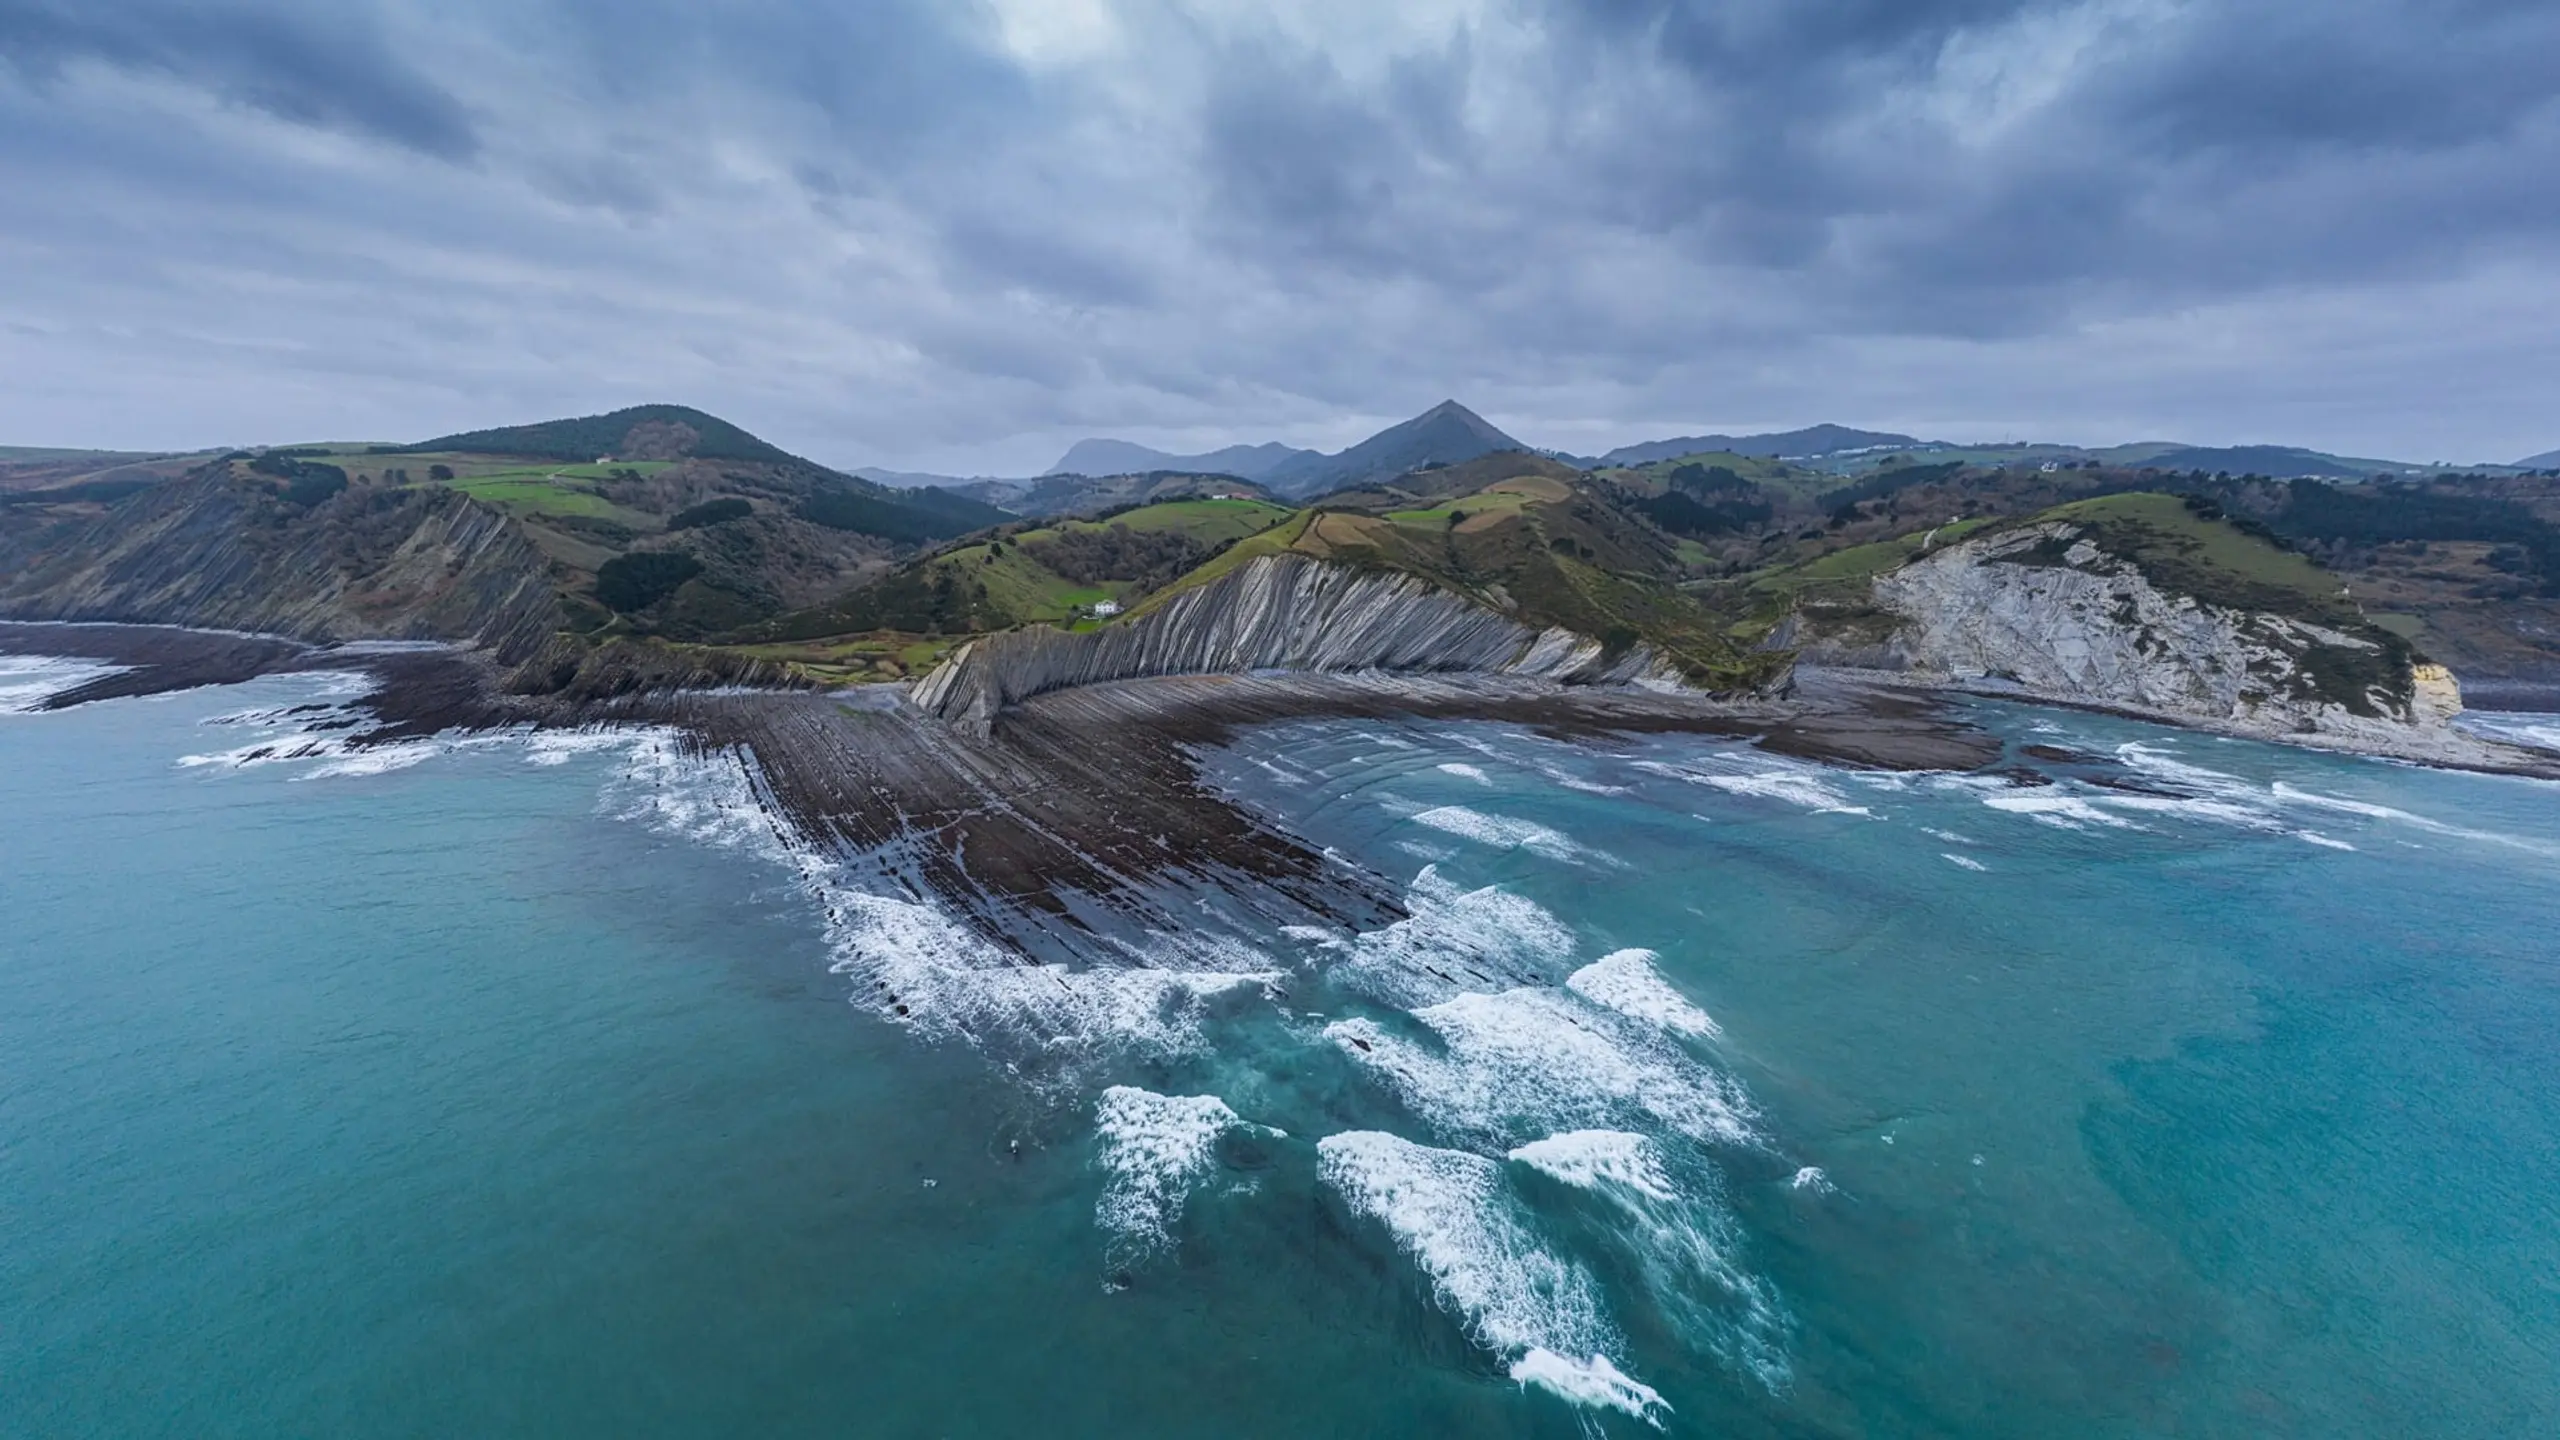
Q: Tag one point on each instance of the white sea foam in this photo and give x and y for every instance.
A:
(1533, 1062)
(1764, 777)
(1154, 1150)
(1684, 1243)
(1591, 1158)
(1627, 982)
(27, 681)
(1451, 940)
(1811, 1178)
(1504, 833)
(2316, 838)
(1449, 1213)
(559, 747)
(2063, 812)
(1465, 771)
(1962, 862)
(2313, 799)
(924, 968)
(2535, 731)
(375, 760)
(1594, 1382)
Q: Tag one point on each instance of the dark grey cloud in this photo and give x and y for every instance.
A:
(316, 63)
(929, 233)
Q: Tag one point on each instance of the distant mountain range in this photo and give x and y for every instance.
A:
(1449, 434)
(1120, 457)
(1784, 444)
(1445, 434)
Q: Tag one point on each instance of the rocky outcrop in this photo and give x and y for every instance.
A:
(1281, 612)
(368, 563)
(2042, 610)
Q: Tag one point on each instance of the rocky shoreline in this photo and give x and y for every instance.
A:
(1075, 812)
(1069, 807)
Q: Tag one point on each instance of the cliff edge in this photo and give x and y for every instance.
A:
(1280, 612)
(216, 551)
(2134, 603)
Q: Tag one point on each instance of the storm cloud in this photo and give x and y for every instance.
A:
(960, 235)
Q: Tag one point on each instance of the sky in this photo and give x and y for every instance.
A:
(958, 236)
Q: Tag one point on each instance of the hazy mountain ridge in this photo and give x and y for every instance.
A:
(1445, 434)
(1122, 457)
(1825, 439)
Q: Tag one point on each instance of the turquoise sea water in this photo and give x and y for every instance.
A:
(534, 1087)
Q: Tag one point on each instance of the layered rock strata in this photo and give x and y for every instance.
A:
(2042, 610)
(370, 563)
(1281, 612)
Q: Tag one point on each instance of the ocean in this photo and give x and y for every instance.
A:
(537, 1085)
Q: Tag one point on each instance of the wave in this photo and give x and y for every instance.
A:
(1465, 771)
(1450, 940)
(1504, 833)
(1524, 1063)
(1627, 982)
(28, 681)
(2063, 812)
(2533, 731)
(1593, 1158)
(1762, 776)
(923, 967)
(1683, 1240)
(1449, 1212)
(1154, 1149)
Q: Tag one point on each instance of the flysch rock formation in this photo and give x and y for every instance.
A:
(365, 564)
(2094, 629)
(1280, 612)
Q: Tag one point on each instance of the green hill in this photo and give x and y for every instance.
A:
(1032, 574)
(641, 432)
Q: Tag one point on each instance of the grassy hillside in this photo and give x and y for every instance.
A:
(1028, 573)
(1549, 547)
(721, 539)
(653, 432)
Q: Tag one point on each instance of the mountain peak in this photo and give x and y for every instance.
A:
(636, 432)
(1446, 434)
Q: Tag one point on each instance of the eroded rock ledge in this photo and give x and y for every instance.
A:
(1281, 612)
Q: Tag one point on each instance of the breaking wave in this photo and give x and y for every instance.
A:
(1450, 1212)
(1154, 1150)
(1682, 1239)
(1522, 1063)
(1627, 982)
(1450, 941)
(1503, 833)
(27, 681)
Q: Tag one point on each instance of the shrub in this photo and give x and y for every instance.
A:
(643, 578)
(711, 512)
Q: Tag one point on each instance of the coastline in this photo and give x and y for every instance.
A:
(2448, 748)
(1076, 805)
(1082, 808)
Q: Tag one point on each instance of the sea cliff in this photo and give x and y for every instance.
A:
(1281, 612)
(2047, 611)
(367, 563)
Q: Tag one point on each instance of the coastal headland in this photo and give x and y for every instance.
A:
(1072, 804)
